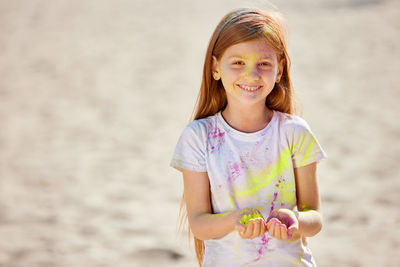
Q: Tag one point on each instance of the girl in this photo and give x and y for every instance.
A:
(248, 163)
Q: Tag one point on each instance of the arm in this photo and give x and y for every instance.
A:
(203, 223)
(206, 225)
(285, 224)
(308, 200)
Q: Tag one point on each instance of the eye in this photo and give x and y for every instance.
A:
(238, 63)
(262, 64)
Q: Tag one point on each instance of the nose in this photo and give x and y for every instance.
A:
(253, 73)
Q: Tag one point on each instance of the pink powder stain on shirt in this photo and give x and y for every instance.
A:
(273, 202)
(236, 170)
(217, 137)
(217, 133)
(263, 247)
(277, 185)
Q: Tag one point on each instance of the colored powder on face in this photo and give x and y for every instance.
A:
(264, 178)
(305, 208)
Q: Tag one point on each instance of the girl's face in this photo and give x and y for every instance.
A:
(248, 71)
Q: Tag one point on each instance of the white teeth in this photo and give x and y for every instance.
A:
(249, 88)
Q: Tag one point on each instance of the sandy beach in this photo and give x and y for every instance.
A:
(93, 98)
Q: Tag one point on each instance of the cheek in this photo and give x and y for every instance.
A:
(269, 74)
(230, 75)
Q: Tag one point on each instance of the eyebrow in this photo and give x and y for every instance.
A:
(239, 56)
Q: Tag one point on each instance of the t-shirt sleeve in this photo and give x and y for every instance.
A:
(305, 148)
(189, 152)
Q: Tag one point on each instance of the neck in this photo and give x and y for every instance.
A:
(247, 119)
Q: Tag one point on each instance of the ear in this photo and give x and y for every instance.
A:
(280, 69)
(215, 68)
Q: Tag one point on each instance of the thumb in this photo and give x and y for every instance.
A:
(292, 230)
(240, 227)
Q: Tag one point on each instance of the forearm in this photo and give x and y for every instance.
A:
(211, 226)
(310, 222)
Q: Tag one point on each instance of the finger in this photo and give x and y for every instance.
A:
(268, 224)
(257, 228)
(277, 232)
(240, 227)
(271, 222)
(249, 229)
(271, 229)
(276, 220)
(263, 228)
(283, 232)
(292, 230)
(242, 234)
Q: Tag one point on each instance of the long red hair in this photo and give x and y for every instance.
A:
(238, 26)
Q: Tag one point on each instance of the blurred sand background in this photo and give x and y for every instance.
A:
(94, 95)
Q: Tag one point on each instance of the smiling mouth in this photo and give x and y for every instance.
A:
(249, 88)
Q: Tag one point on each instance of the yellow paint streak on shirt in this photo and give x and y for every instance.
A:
(262, 179)
(303, 148)
(307, 153)
(287, 193)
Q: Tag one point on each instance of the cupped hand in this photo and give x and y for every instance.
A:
(250, 223)
(283, 224)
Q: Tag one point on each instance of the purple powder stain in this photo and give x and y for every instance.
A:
(273, 202)
(263, 247)
(236, 170)
(280, 181)
(216, 133)
(216, 136)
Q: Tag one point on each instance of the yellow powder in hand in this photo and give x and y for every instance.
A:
(247, 217)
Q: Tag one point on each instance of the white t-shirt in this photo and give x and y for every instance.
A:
(250, 170)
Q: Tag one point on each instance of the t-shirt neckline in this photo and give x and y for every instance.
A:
(243, 135)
